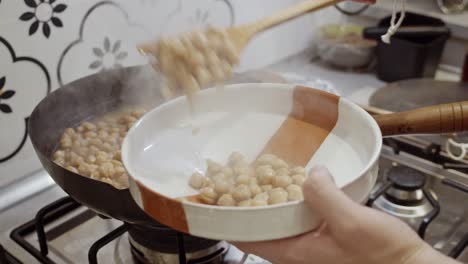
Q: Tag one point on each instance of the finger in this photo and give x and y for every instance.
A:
(326, 199)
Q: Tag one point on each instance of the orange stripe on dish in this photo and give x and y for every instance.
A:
(167, 211)
(311, 120)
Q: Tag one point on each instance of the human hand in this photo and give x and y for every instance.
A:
(351, 233)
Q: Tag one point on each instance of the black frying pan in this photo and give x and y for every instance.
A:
(81, 100)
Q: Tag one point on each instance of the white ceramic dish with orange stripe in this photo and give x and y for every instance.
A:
(302, 125)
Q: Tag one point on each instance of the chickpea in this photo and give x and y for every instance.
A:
(298, 170)
(106, 180)
(298, 179)
(242, 179)
(208, 195)
(118, 155)
(219, 177)
(90, 134)
(203, 76)
(93, 149)
(102, 135)
(259, 203)
(277, 196)
(228, 172)
(222, 186)
(266, 159)
(265, 174)
(85, 169)
(267, 188)
(72, 169)
(226, 200)
(66, 142)
(76, 144)
(262, 196)
(59, 154)
(253, 180)
(106, 169)
(255, 189)
(95, 175)
(88, 126)
(278, 164)
(75, 160)
(101, 125)
(213, 167)
(91, 159)
(207, 182)
(282, 172)
(235, 158)
(96, 142)
(81, 151)
(129, 119)
(281, 181)
(137, 113)
(119, 170)
(260, 199)
(70, 132)
(196, 180)
(107, 147)
(241, 192)
(245, 203)
(60, 161)
(101, 156)
(294, 193)
(238, 170)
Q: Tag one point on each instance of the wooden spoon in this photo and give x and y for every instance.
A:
(183, 64)
(241, 35)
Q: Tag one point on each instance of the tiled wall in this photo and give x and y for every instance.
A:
(44, 44)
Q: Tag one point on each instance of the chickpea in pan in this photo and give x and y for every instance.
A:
(92, 149)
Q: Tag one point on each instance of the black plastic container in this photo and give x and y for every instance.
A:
(414, 52)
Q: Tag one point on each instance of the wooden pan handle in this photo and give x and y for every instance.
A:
(445, 118)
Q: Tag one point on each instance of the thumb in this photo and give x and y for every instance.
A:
(324, 198)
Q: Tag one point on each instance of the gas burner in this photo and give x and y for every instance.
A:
(162, 245)
(407, 186)
(212, 255)
(403, 195)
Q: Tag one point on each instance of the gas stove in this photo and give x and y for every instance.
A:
(39, 223)
(413, 185)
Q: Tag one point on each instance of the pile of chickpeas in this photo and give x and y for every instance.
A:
(269, 180)
(92, 149)
(196, 59)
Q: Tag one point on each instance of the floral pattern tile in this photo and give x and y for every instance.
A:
(5, 95)
(17, 99)
(43, 13)
(98, 47)
(108, 56)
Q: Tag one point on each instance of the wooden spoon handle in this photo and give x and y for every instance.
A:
(289, 13)
(445, 118)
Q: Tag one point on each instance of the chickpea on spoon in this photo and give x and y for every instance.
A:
(202, 58)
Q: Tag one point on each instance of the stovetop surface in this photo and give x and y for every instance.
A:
(70, 237)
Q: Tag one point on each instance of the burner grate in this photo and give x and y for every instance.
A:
(7, 258)
(47, 214)
(62, 207)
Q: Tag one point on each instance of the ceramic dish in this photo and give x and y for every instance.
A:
(302, 125)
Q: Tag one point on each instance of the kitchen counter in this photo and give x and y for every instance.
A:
(357, 86)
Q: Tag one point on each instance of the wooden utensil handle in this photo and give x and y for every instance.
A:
(445, 118)
(290, 13)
